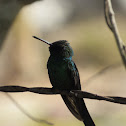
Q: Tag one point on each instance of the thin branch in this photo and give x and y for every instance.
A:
(111, 22)
(26, 113)
(52, 91)
(106, 13)
(100, 72)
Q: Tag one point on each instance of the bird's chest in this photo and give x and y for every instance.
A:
(58, 73)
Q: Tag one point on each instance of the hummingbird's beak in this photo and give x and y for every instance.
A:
(42, 40)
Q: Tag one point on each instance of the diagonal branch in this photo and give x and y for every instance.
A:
(102, 71)
(111, 22)
(26, 113)
(52, 91)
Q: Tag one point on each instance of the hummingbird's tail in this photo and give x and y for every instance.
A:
(78, 109)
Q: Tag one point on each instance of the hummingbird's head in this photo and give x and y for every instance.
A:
(59, 48)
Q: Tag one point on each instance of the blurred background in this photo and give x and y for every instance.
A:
(23, 59)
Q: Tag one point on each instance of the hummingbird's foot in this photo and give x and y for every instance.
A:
(55, 89)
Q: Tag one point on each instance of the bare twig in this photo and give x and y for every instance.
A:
(100, 72)
(52, 91)
(111, 22)
(26, 113)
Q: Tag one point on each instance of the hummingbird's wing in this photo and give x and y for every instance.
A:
(74, 104)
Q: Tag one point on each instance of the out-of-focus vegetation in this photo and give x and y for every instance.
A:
(23, 61)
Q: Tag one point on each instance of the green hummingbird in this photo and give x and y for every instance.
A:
(64, 75)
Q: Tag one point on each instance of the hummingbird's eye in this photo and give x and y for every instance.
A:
(63, 48)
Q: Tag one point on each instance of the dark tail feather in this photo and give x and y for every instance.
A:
(87, 119)
(88, 124)
(78, 109)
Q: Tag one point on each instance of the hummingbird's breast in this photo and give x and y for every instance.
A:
(58, 73)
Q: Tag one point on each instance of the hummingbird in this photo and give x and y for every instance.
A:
(64, 75)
